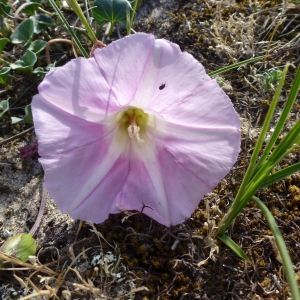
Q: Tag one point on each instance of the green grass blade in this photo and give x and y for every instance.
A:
(237, 206)
(254, 176)
(286, 260)
(266, 124)
(280, 175)
(69, 29)
(244, 197)
(256, 183)
(135, 6)
(234, 247)
(283, 117)
(82, 18)
(236, 65)
(288, 144)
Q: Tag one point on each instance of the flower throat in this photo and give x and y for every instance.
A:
(134, 121)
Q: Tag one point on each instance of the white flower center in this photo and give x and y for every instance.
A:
(133, 131)
(134, 120)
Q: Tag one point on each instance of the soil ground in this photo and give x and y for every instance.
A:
(145, 260)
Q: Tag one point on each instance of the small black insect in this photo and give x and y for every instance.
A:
(162, 86)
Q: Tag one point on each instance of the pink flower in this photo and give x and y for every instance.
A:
(138, 123)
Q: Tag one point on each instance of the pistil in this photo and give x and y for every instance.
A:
(133, 130)
(134, 121)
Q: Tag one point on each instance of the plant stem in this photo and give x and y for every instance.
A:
(40, 213)
(4, 62)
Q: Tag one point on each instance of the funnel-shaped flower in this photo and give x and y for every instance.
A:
(138, 123)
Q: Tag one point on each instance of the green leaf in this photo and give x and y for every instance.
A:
(42, 71)
(110, 11)
(234, 247)
(280, 175)
(4, 107)
(3, 74)
(23, 33)
(3, 42)
(286, 145)
(27, 118)
(30, 7)
(26, 62)
(4, 9)
(39, 71)
(284, 115)
(37, 46)
(253, 177)
(236, 65)
(41, 22)
(20, 246)
(266, 125)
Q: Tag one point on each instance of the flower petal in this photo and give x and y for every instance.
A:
(121, 190)
(179, 73)
(123, 64)
(189, 162)
(82, 173)
(79, 90)
(110, 182)
(59, 131)
(150, 63)
(193, 162)
(208, 107)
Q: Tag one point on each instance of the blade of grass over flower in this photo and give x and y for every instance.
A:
(69, 29)
(286, 260)
(82, 18)
(236, 65)
(288, 106)
(280, 175)
(234, 247)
